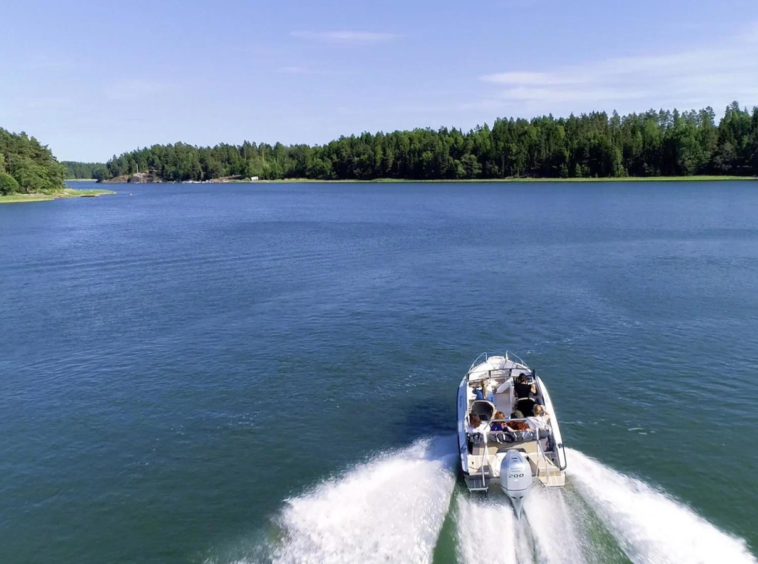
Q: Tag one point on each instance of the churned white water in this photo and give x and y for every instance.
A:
(487, 531)
(557, 529)
(390, 509)
(650, 526)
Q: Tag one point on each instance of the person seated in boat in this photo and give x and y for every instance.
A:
(481, 393)
(475, 424)
(519, 425)
(499, 424)
(539, 419)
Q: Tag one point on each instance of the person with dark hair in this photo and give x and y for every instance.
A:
(517, 425)
(523, 389)
(475, 424)
(526, 395)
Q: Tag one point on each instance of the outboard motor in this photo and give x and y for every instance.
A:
(515, 479)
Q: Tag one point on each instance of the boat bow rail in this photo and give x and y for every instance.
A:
(504, 367)
(508, 356)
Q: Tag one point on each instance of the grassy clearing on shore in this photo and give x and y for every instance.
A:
(90, 192)
(19, 198)
(623, 179)
(67, 193)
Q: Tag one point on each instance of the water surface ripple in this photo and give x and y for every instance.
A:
(242, 373)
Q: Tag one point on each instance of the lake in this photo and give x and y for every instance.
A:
(267, 372)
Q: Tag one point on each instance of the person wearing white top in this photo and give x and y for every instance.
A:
(475, 424)
(539, 419)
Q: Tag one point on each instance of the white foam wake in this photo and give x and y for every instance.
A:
(390, 509)
(650, 526)
(487, 530)
(557, 527)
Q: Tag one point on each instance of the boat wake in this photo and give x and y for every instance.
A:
(553, 531)
(649, 525)
(388, 510)
(601, 516)
(397, 508)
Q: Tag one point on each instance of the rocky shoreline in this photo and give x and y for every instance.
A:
(149, 178)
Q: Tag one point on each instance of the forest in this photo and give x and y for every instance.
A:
(595, 145)
(27, 166)
(83, 170)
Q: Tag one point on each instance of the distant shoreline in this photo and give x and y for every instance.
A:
(703, 178)
(63, 194)
(501, 180)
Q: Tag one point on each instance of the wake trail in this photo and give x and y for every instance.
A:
(601, 516)
(650, 526)
(488, 531)
(557, 527)
(390, 509)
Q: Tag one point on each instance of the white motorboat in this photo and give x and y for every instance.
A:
(515, 450)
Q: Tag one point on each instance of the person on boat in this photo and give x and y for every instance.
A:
(519, 425)
(481, 393)
(539, 419)
(475, 424)
(526, 395)
(500, 424)
(523, 389)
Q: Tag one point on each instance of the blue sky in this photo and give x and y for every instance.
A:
(92, 79)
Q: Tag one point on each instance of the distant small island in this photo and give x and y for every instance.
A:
(651, 145)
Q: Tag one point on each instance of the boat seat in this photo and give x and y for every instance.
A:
(526, 406)
(504, 402)
(484, 409)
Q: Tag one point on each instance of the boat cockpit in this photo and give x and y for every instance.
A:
(493, 390)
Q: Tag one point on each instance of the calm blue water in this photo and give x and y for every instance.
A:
(244, 373)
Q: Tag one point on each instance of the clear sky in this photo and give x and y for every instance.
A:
(97, 78)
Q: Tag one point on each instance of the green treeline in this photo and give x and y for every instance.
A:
(655, 143)
(27, 166)
(83, 170)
